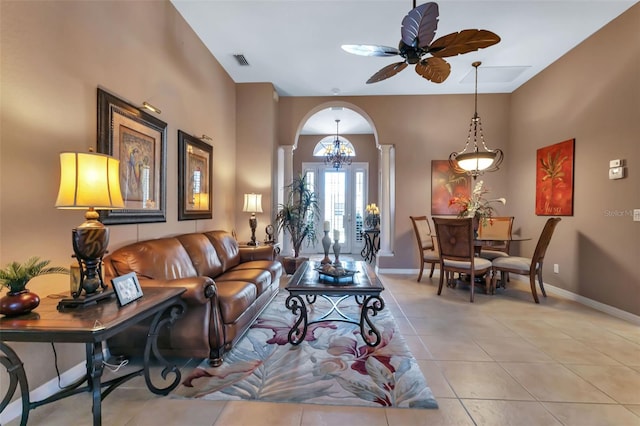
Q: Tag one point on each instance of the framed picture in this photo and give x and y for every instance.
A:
(127, 288)
(194, 178)
(445, 185)
(554, 179)
(139, 141)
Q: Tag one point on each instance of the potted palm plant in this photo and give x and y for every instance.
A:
(297, 216)
(15, 277)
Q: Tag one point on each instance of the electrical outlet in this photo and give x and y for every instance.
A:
(556, 268)
(636, 215)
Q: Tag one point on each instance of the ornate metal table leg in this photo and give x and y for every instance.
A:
(161, 319)
(371, 306)
(296, 305)
(94, 372)
(15, 368)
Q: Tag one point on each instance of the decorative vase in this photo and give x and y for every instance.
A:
(18, 303)
(336, 251)
(326, 244)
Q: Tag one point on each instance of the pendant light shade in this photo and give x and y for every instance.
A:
(476, 158)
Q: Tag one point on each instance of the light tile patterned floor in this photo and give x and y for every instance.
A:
(502, 360)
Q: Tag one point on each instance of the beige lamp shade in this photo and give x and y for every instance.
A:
(252, 203)
(89, 180)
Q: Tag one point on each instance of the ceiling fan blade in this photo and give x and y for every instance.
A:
(461, 42)
(420, 25)
(434, 69)
(386, 72)
(370, 50)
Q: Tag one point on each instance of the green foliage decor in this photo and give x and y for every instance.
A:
(298, 215)
(15, 276)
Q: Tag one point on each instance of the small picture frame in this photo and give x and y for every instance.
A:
(127, 288)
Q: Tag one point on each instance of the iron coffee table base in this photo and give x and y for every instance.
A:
(369, 307)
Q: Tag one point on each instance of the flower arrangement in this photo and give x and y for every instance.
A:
(372, 221)
(476, 205)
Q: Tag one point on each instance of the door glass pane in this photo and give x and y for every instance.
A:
(334, 201)
(359, 204)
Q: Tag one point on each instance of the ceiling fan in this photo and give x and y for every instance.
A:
(417, 32)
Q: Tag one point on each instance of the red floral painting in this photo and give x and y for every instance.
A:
(445, 185)
(554, 179)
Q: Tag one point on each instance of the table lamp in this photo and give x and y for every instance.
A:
(89, 181)
(253, 205)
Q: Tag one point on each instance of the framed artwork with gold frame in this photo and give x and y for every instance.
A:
(139, 141)
(194, 178)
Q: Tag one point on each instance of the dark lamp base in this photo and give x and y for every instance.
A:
(82, 301)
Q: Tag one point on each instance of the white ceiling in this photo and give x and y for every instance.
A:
(295, 44)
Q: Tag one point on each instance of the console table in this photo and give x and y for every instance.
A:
(91, 325)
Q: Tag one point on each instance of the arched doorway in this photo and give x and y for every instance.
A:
(381, 191)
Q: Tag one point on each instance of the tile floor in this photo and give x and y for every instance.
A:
(502, 360)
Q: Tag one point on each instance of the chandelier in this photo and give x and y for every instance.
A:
(476, 158)
(338, 153)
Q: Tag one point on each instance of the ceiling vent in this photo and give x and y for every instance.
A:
(241, 60)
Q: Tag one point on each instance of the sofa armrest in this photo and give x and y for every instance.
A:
(199, 289)
(248, 254)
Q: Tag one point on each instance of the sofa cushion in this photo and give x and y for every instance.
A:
(260, 278)
(203, 254)
(161, 259)
(227, 248)
(234, 298)
(275, 268)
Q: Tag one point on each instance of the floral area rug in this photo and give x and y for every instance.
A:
(332, 366)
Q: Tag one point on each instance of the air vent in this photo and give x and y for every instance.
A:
(241, 60)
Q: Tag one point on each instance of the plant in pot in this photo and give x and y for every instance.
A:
(297, 216)
(15, 277)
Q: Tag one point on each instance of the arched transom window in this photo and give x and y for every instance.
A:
(327, 142)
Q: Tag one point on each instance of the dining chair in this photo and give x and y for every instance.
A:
(524, 265)
(426, 247)
(498, 231)
(457, 253)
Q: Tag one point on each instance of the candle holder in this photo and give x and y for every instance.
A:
(336, 251)
(326, 244)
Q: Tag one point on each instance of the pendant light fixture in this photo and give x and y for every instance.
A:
(338, 154)
(476, 158)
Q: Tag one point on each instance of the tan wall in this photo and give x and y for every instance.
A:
(54, 56)
(256, 165)
(591, 94)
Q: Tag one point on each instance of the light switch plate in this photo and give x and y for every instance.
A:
(636, 215)
(615, 163)
(616, 173)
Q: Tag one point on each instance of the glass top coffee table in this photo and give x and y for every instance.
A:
(359, 282)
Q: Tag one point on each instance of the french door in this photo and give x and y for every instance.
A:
(342, 198)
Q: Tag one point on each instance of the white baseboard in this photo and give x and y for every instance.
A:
(614, 312)
(610, 310)
(14, 410)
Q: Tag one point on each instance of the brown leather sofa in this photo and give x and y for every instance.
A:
(227, 288)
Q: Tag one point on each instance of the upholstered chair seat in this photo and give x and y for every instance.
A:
(527, 266)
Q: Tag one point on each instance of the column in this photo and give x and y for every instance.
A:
(387, 201)
(285, 164)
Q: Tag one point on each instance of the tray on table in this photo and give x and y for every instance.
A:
(344, 277)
